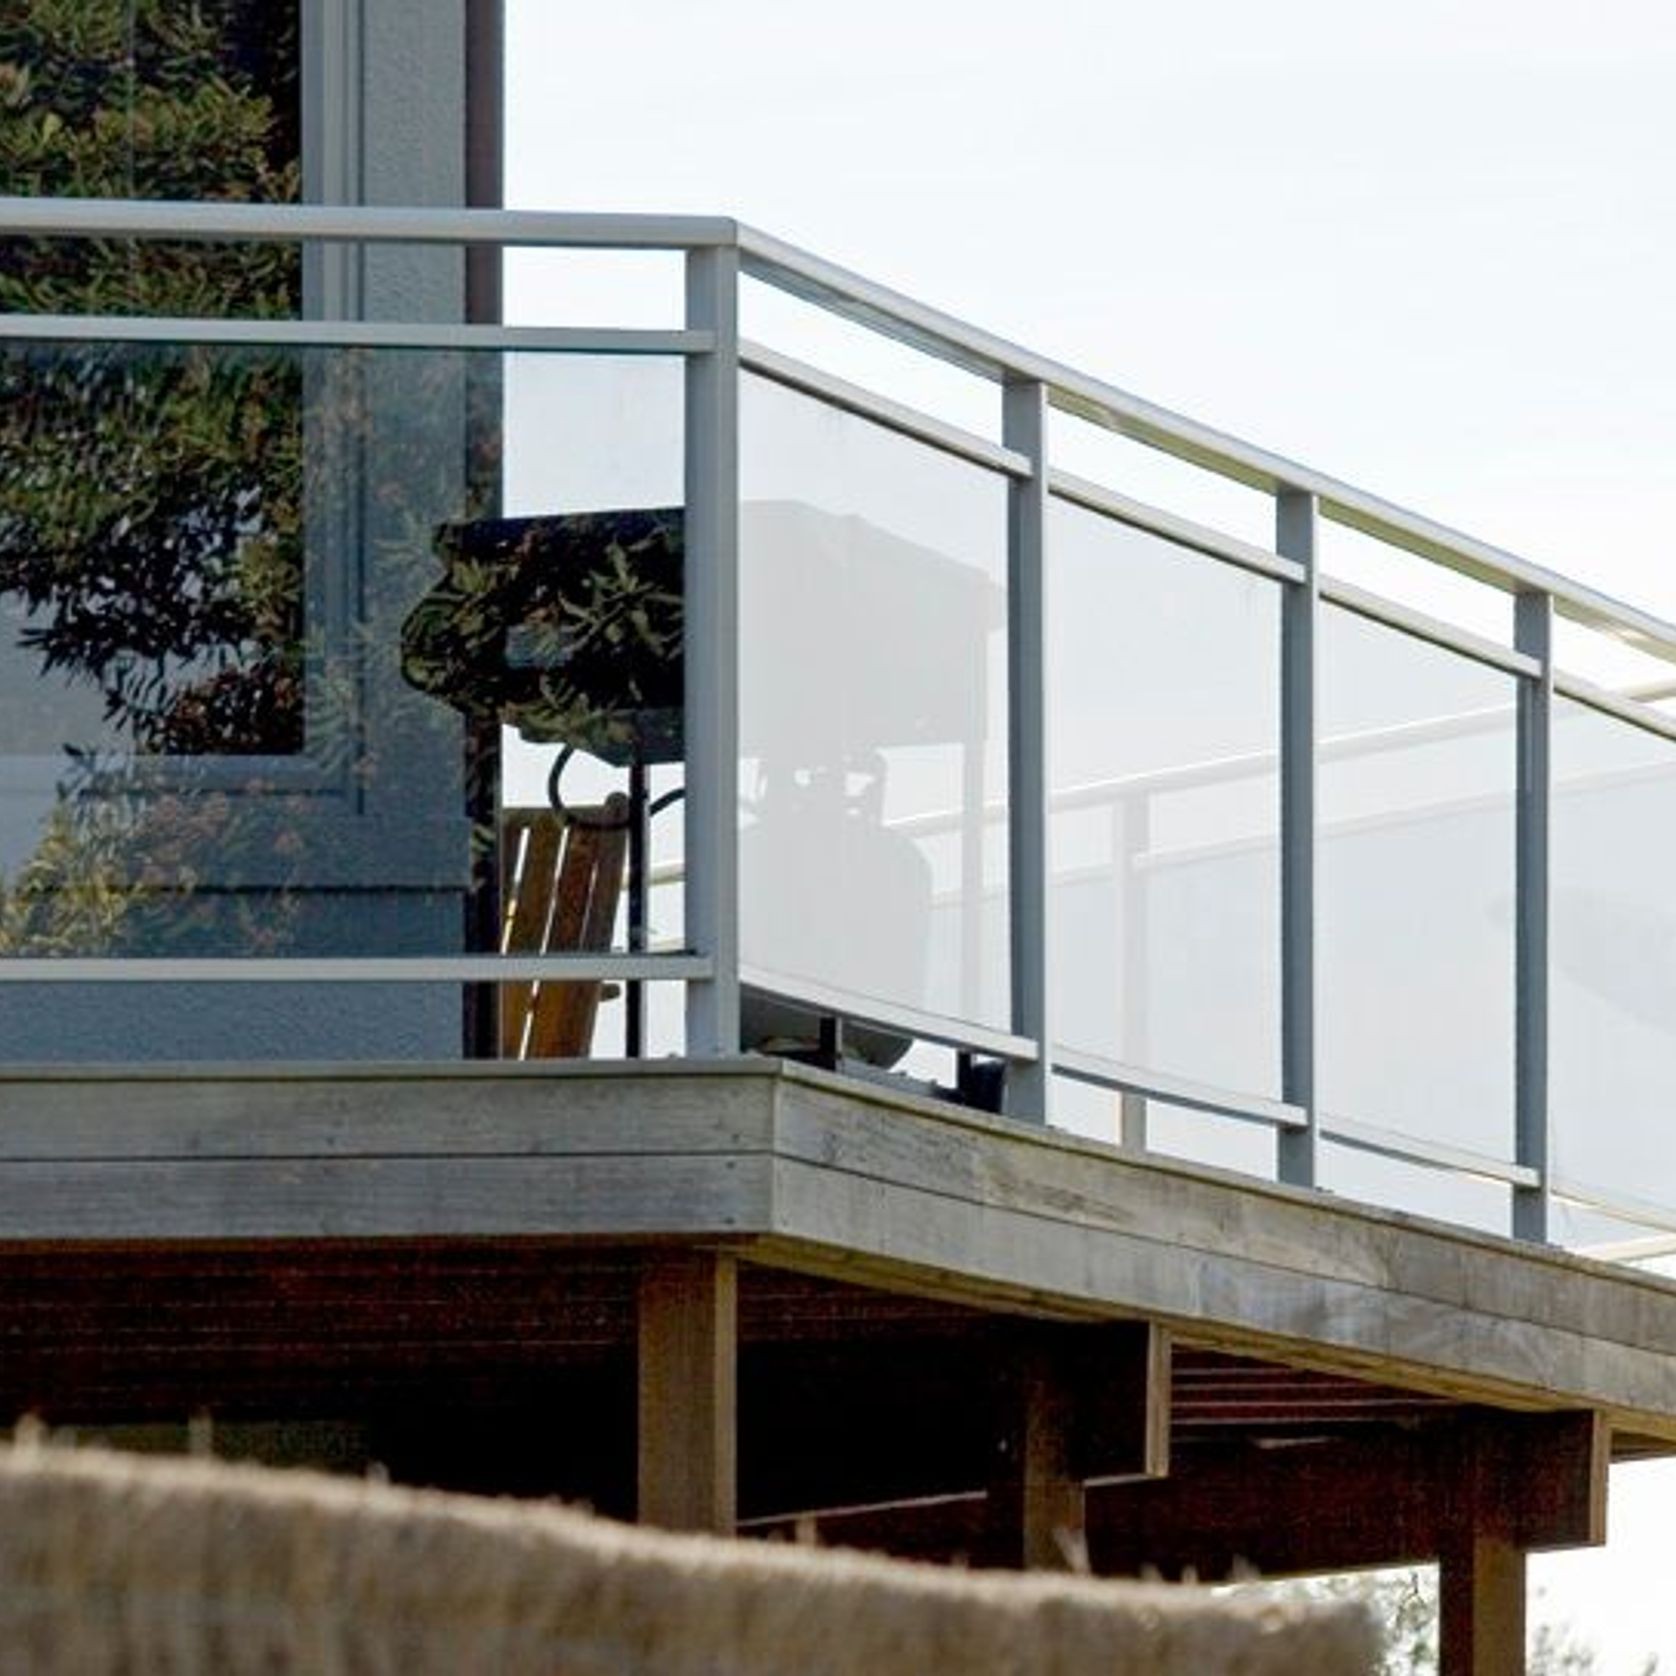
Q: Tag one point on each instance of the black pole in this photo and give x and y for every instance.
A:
(634, 1027)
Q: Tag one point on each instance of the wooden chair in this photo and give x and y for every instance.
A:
(561, 879)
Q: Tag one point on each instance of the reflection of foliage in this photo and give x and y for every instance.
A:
(149, 519)
(199, 857)
(148, 513)
(116, 873)
(70, 896)
(152, 498)
(149, 507)
(183, 99)
(567, 628)
(149, 499)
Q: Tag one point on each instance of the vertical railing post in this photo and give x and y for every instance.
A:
(1028, 1088)
(1533, 634)
(1133, 1119)
(712, 650)
(1298, 1150)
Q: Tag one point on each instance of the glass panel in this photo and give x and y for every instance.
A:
(1148, 474)
(1613, 1239)
(1415, 893)
(1612, 941)
(1229, 1143)
(873, 717)
(1612, 663)
(290, 642)
(1164, 694)
(1198, 1137)
(1085, 1109)
(817, 336)
(548, 287)
(1349, 556)
(1445, 1195)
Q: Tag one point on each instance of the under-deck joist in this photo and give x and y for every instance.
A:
(1465, 1490)
(1401, 1496)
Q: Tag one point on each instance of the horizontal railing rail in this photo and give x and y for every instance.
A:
(349, 334)
(133, 218)
(675, 965)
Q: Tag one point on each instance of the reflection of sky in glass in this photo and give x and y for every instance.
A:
(1415, 887)
(872, 693)
(1148, 474)
(41, 713)
(42, 710)
(1164, 663)
(1613, 941)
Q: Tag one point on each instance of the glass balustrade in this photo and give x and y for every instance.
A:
(347, 685)
(324, 653)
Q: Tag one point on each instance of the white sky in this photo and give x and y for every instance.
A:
(1427, 247)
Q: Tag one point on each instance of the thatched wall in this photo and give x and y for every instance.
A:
(112, 1563)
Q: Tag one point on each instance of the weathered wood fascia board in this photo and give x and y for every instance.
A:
(749, 1067)
(978, 1212)
(755, 1105)
(303, 1112)
(1095, 1182)
(1363, 1332)
(623, 1197)
(394, 1152)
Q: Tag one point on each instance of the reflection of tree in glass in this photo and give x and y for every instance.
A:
(149, 499)
(149, 512)
(568, 628)
(191, 855)
(183, 99)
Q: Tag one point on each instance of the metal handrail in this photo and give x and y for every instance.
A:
(145, 218)
(893, 313)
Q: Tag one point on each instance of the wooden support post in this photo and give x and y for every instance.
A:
(1481, 1622)
(1035, 1519)
(688, 1326)
(1510, 1483)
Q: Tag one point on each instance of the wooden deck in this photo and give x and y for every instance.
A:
(752, 1295)
(804, 1171)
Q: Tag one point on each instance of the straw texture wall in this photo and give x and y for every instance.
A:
(112, 1563)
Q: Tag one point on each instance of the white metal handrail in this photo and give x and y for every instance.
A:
(891, 312)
